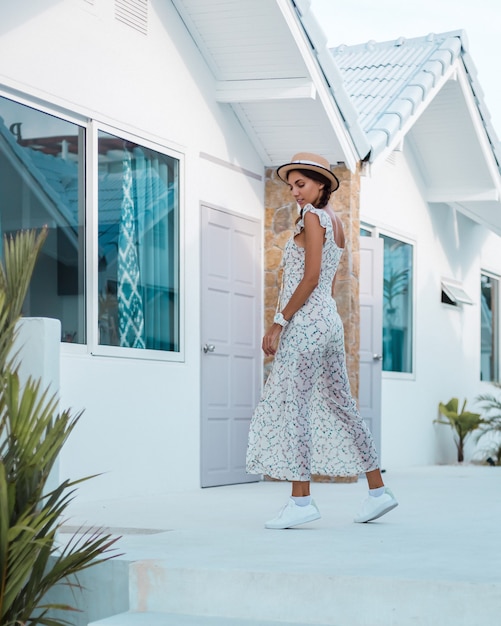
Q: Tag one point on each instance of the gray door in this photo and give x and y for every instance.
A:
(371, 334)
(231, 343)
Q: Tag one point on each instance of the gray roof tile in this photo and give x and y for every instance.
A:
(387, 81)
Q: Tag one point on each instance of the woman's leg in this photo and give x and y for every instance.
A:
(374, 479)
(300, 488)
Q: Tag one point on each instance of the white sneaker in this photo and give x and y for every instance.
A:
(374, 507)
(293, 515)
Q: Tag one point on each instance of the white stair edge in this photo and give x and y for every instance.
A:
(137, 618)
(314, 598)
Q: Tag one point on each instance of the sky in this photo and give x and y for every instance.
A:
(358, 21)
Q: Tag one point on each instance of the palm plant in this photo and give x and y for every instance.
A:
(491, 429)
(32, 433)
(463, 422)
(394, 285)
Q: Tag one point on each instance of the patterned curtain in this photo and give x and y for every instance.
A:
(129, 291)
(155, 248)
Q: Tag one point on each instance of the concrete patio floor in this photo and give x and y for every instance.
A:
(434, 561)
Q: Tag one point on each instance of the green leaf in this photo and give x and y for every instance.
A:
(463, 423)
(32, 434)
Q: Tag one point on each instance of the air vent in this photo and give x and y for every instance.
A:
(453, 293)
(134, 13)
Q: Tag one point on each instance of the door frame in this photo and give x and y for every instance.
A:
(205, 207)
(372, 363)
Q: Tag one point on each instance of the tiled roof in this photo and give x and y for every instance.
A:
(388, 82)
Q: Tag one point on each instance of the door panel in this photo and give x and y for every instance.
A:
(231, 356)
(371, 334)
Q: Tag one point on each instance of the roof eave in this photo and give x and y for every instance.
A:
(327, 77)
(481, 205)
(480, 117)
(271, 101)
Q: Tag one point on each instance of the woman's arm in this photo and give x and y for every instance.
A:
(314, 235)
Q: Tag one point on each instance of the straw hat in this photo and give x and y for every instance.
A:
(308, 161)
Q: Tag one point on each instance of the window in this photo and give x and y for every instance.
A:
(138, 242)
(397, 301)
(489, 355)
(397, 305)
(42, 183)
(43, 180)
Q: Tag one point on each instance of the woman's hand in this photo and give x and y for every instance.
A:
(270, 340)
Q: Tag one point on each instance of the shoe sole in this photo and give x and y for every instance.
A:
(310, 518)
(387, 509)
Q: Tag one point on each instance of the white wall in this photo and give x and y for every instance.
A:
(140, 427)
(446, 339)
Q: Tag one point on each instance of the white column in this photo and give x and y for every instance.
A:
(38, 345)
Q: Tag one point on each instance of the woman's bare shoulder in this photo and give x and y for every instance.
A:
(337, 226)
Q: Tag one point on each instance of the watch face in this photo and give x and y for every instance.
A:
(280, 319)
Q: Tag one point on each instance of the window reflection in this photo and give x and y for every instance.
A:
(138, 246)
(489, 295)
(397, 308)
(42, 183)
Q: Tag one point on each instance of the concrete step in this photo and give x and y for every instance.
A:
(305, 597)
(132, 618)
(430, 563)
(151, 592)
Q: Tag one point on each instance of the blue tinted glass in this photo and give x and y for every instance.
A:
(489, 322)
(397, 310)
(138, 246)
(42, 183)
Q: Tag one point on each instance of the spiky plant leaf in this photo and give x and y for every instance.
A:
(32, 433)
(30, 436)
(34, 436)
(20, 253)
(490, 431)
(4, 527)
(491, 405)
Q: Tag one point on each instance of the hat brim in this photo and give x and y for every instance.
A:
(283, 172)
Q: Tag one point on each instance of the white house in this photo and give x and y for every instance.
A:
(141, 132)
(431, 190)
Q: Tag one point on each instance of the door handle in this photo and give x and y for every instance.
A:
(209, 347)
(377, 357)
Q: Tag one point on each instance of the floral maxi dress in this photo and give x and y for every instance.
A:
(307, 421)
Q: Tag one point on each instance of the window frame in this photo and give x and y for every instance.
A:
(93, 125)
(376, 231)
(78, 119)
(497, 327)
(95, 348)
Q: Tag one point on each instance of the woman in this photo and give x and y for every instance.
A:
(307, 421)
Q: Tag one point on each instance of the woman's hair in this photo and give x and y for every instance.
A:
(326, 191)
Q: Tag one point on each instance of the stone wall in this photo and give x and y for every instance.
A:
(280, 216)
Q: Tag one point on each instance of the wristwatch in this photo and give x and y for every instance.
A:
(280, 319)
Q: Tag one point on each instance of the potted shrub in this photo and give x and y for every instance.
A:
(32, 433)
(491, 428)
(462, 422)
